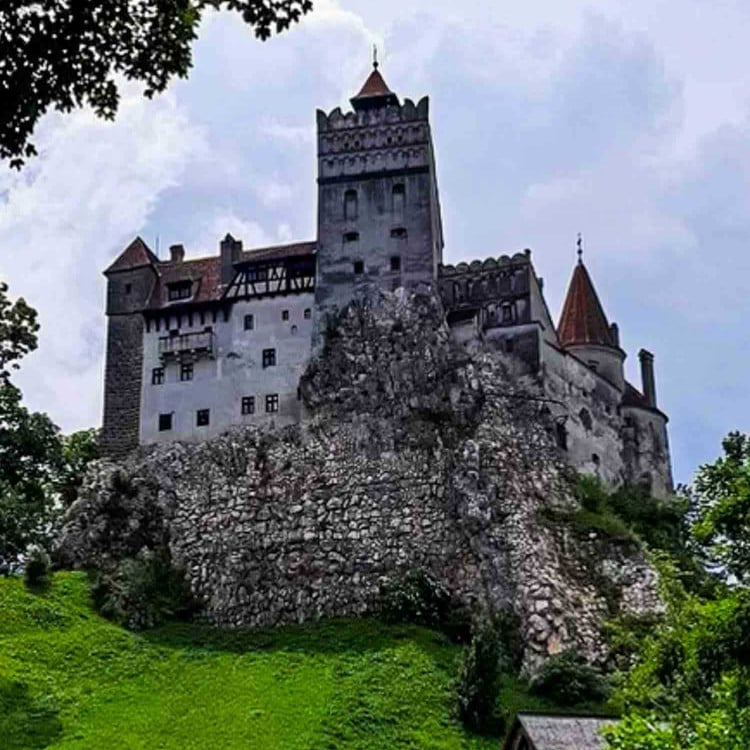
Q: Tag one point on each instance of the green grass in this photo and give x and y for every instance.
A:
(69, 679)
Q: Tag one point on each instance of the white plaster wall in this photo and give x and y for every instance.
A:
(219, 384)
(568, 380)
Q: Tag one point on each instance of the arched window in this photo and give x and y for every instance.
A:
(351, 205)
(398, 200)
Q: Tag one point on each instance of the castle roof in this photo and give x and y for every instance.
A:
(205, 273)
(374, 93)
(136, 255)
(583, 320)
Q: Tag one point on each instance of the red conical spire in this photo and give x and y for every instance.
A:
(583, 320)
(375, 92)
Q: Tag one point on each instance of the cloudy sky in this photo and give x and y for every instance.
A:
(628, 121)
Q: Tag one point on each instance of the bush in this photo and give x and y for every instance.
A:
(142, 592)
(567, 679)
(479, 681)
(37, 567)
(418, 598)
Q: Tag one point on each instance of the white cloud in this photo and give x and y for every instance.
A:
(90, 191)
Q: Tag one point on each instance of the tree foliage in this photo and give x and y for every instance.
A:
(64, 54)
(18, 323)
(690, 684)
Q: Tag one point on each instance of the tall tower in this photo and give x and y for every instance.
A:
(130, 283)
(379, 219)
(585, 332)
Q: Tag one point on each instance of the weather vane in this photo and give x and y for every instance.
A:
(375, 56)
(580, 248)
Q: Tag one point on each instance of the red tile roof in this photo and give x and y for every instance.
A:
(205, 273)
(135, 255)
(583, 320)
(375, 85)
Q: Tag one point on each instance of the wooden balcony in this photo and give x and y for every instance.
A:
(187, 346)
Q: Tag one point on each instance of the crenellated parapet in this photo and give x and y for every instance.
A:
(390, 138)
(496, 287)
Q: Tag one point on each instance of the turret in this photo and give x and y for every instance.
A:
(585, 332)
(379, 221)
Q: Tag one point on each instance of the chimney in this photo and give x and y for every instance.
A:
(231, 252)
(647, 377)
(614, 329)
(176, 253)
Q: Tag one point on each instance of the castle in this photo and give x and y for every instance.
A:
(197, 346)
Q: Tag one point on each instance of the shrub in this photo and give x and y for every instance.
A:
(418, 598)
(37, 567)
(567, 679)
(142, 592)
(479, 680)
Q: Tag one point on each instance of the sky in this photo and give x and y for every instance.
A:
(626, 121)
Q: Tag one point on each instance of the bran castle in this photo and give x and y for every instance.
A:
(197, 346)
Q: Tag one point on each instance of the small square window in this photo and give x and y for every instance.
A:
(399, 233)
(272, 402)
(248, 404)
(396, 263)
(165, 422)
(359, 267)
(285, 314)
(249, 322)
(308, 313)
(186, 372)
(202, 417)
(269, 357)
(157, 376)
(351, 237)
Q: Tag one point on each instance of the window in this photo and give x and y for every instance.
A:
(399, 233)
(249, 322)
(593, 364)
(562, 436)
(248, 404)
(351, 207)
(509, 345)
(398, 199)
(396, 263)
(269, 358)
(157, 376)
(585, 417)
(202, 417)
(595, 459)
(359, 267)
(285, 314)
(165, 422)
(294, 330)
(128, 288)
(351, 237)
(272, 402)
(186, 372)
(180, 290)
(507, 312)
(308, 313)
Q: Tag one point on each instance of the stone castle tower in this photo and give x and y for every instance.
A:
(378, 207)
(195, 346)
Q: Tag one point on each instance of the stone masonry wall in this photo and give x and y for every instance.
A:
(417, 456)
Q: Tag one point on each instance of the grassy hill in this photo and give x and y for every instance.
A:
(69, 679)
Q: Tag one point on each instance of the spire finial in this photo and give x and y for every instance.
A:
(375, 62)
(580, 248)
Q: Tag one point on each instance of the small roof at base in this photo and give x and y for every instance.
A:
(555, 732)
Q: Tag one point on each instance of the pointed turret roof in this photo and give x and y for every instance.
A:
(583, 320)
(374, 93)
(136, 255)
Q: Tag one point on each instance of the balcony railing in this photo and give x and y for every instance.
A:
(187, 346)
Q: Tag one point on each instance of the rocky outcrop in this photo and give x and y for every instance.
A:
(416, 455)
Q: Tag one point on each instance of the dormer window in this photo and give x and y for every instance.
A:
(179, 290)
